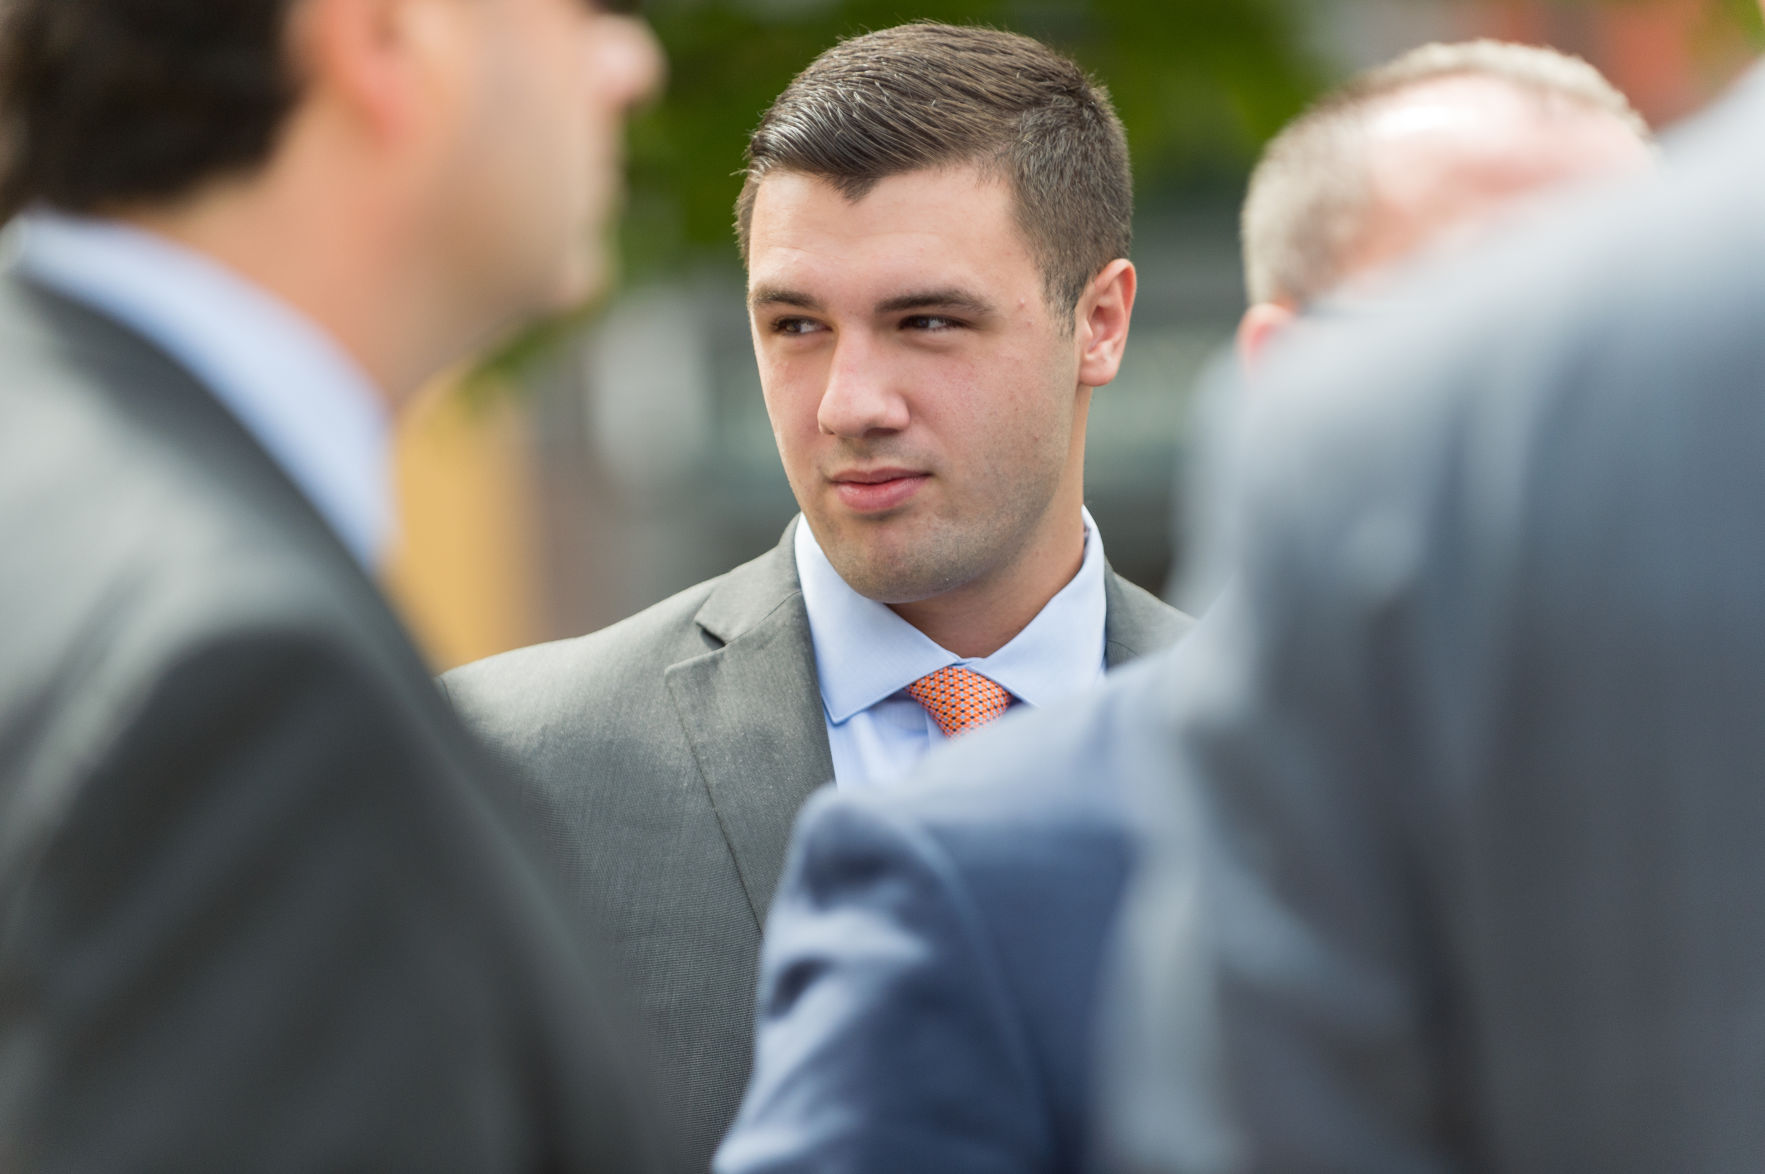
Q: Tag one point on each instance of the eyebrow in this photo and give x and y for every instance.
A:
(776, 295)
(931, 299)
(936, 299)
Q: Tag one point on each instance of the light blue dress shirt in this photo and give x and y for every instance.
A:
(866, 656)
(296, 392)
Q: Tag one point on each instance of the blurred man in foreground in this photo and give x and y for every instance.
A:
(261, 910)
(935, 222)
(1415, 158)
(1410, 161)
(929, 980)
(1462, 863)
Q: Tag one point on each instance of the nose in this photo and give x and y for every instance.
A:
(628, 64)
(860, 398)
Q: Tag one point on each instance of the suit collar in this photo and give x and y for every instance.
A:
(748, 595)
(866, 653)
(1138, 622)
(148, 386)
(752, 706)
(305, 402)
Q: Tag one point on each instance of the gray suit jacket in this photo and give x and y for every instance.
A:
(668, 756)
(260, 908)
(1463, 863)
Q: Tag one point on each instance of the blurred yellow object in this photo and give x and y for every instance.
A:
(466, 573)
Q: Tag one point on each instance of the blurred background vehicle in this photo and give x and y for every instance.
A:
(598, 466)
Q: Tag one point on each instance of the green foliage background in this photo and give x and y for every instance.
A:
(1200, 85)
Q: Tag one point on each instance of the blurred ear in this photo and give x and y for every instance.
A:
(1103, 314)
(392, 65)
(1259, 326)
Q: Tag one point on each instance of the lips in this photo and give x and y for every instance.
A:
(868, 491)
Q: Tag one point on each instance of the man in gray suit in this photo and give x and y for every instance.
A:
(262, 909)
(936, 224)
(929, 982)
(1460, 866)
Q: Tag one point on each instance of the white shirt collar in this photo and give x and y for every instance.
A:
(293, 388)
(864, 652)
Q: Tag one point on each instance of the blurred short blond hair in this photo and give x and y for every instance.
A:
(1310, 192)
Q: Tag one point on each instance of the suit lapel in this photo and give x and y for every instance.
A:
(751, 707)
(752, 713)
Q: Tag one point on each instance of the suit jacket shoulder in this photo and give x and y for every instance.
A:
(708, 697)
(523, 700)
(666, 757)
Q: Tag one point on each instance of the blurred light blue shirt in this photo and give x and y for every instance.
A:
(307, 403)
(866, 656)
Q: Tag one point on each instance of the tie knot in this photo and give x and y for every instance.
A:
(959, 699)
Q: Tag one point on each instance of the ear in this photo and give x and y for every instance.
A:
(1259, 326)
(390, 64)
(1102, 327)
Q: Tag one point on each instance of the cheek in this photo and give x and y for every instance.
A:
(527, 118)
(791, 386)
(1027, 425)
(1006, 399)
(549, 98)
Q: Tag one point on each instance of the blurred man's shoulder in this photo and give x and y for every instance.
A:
(131, 501)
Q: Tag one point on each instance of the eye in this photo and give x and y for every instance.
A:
(795, 326)
(931, 322)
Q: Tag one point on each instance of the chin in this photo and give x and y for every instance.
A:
(897, 576)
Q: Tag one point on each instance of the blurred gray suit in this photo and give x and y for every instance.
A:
(668, 756)
(1464, 863)
(259, 907)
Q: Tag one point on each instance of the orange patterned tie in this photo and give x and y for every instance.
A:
(959, 699)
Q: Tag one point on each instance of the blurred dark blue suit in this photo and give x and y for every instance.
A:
(928, 982)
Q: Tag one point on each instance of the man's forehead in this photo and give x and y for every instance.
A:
(785, 194)
(948, 227)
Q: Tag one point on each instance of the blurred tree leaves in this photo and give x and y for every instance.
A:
(1199, 84)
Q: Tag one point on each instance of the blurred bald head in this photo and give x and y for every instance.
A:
(1425, 150)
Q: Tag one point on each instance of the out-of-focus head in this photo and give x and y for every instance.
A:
(1418, 155)
(106, 104)
(936, 221)
(474, 144)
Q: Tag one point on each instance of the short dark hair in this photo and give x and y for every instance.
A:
(929, 95)
(107, 103)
